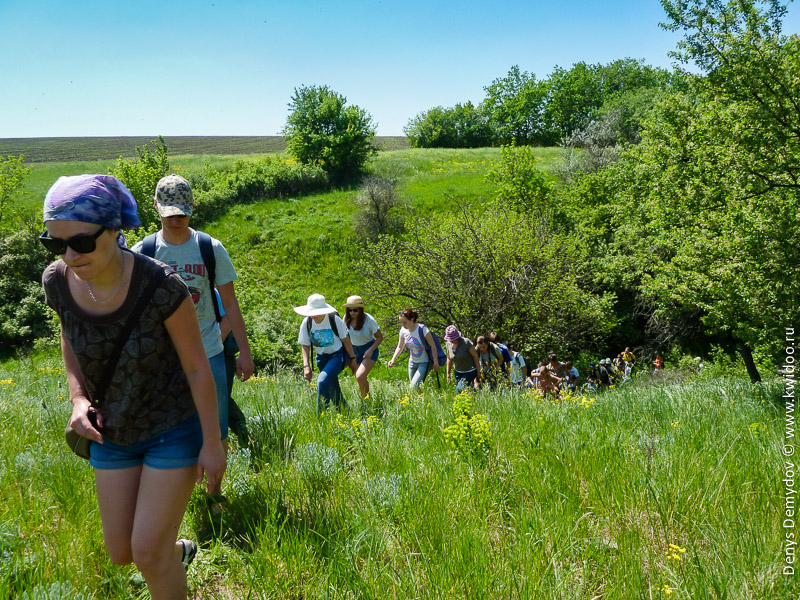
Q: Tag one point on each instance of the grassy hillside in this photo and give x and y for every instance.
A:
(285, 250)
(650, 491)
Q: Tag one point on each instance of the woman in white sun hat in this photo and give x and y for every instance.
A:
(323, 329)
(366, 336)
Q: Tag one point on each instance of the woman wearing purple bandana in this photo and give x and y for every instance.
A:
(155, 431)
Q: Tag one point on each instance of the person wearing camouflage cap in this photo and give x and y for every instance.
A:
(179, 246)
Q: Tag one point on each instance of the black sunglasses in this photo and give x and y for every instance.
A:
(85, 243)
(353, 309)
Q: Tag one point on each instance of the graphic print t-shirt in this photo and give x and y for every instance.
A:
(187, 261)
(414, 343)
(322, 336)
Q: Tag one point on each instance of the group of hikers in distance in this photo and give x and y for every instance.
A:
(354, 342)
(152, 338)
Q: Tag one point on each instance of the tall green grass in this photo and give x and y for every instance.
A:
(579, 498)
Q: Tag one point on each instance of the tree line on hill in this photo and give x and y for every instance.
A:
(523, 110)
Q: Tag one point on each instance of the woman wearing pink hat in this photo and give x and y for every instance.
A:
(366, 336)
(463, 357)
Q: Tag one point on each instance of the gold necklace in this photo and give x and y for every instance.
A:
(116, 290)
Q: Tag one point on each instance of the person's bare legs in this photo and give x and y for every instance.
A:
(361, 376)
(163, 497)
(117, 491)
(142, 509)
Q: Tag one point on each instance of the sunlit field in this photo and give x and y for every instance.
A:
(657, 489)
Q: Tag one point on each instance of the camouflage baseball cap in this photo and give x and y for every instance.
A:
(174, 197)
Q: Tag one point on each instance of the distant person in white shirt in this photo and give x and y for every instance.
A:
(323, 329)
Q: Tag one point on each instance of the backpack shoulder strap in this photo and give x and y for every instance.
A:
(210, 262)
(332, 321)
(423, 341)
(149, 245)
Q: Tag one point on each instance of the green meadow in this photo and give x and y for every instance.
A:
(666, 487)
(655, 490)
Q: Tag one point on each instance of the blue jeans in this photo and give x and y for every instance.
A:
(417, 372)
(221, 383)
(465, 378)
(330, 365)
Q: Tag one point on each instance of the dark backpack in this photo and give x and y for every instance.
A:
(209, 260)
(442, 357)
(506, 357)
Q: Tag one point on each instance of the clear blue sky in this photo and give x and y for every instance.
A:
(225, 67)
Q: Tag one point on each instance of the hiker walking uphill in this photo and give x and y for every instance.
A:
(491, 359)
(463, 358)
(414, 336)
(323, 329)
(148, 406)
(190, 253)
(365, 335)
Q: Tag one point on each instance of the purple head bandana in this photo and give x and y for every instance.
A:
(100, 199)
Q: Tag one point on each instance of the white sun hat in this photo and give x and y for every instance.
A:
(315, 305)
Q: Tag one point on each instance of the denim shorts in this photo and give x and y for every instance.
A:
(360, 350)
(174, 448)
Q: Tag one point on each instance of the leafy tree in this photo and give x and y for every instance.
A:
(574, 95)
(12, 174)
(462, 126)
(141, 176)
(515, 106)
(323, 130)
(520, 183)
(701, 217)
(494, 270)
(430, 129)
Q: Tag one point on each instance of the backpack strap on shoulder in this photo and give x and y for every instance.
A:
(210, 262)
(332, 321)
(149, 245)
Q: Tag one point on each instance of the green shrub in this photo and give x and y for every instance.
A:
(141, 176)
(247, 181)
(12, 174)
(462, 126)
(24, 316)
(272, 337)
